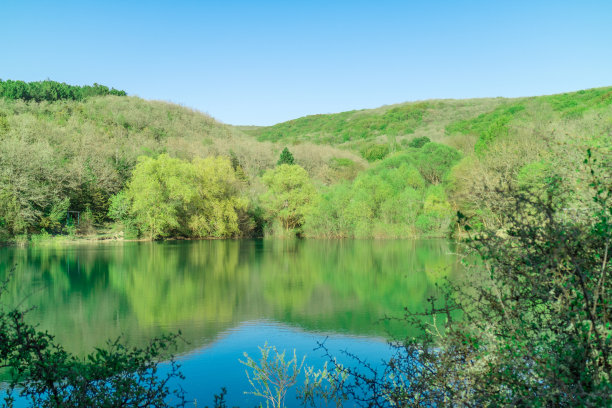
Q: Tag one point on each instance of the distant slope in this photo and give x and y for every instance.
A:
(519, 143)
(440, 120)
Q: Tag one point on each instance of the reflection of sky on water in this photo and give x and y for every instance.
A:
(214, 366)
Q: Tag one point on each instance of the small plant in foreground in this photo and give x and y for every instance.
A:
(272, 376)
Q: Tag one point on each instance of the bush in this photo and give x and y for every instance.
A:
(419, 142)
(375, 152)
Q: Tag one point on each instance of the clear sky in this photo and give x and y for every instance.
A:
(263, 62)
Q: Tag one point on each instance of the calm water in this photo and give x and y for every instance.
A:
(228, 297)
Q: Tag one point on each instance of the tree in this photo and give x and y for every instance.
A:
(285, 158)
(170, 196)
(419, 142)
(434, 161)
(159, 189)
(290, 195)
(217, 205)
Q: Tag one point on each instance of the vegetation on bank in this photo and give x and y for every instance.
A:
(86, 151)
(397, 171)
(400, 196)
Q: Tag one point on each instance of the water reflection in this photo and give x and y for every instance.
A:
(87, 293)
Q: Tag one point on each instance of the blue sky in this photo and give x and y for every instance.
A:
(263, 62)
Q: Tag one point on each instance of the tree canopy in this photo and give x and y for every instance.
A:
(52, 91)
(286, 157)
(289, 197)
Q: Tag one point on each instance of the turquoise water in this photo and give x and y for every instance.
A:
(229, 297)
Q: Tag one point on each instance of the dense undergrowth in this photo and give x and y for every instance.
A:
(122, 166)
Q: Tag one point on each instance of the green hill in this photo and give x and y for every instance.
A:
(69, 151)
(440, 120)
(505, 143)
(74, 153)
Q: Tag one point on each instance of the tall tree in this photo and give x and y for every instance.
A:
(290, 195)
(286, 157)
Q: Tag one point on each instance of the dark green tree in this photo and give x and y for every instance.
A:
(419, 142)
(286, 157)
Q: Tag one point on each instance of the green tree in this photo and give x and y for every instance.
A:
(434, 161)
(160, 189)
(217, 205)
(290, 195)
(286, 157)
(419, 142)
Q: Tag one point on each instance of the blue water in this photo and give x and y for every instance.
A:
(217, 365)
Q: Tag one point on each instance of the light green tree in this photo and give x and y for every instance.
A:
(160, 189)
(170, 196)
(290, 195)
(217, 203)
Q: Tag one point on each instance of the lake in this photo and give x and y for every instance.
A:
(229, 297)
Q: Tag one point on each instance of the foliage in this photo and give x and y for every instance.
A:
(487, 126)
(52, 91)
(45, 375)
(434, 161)
(272, 376)
(534, 327)
(324, 385)
(419, 142)
(392, 199)
(289, 197)
(574, 105)
(160, 192)
(285, 158)
(170, 196)
(375, 151)
(86, 150)
(347, 126)
(217, 206)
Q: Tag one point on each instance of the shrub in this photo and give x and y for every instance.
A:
(46, 375)
(419, 142)
(374, 152)
(534, 327)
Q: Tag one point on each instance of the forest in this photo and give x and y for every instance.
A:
(112, 166)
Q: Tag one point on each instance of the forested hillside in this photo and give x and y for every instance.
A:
(66, 158)
(91, 160)
(504, 143)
